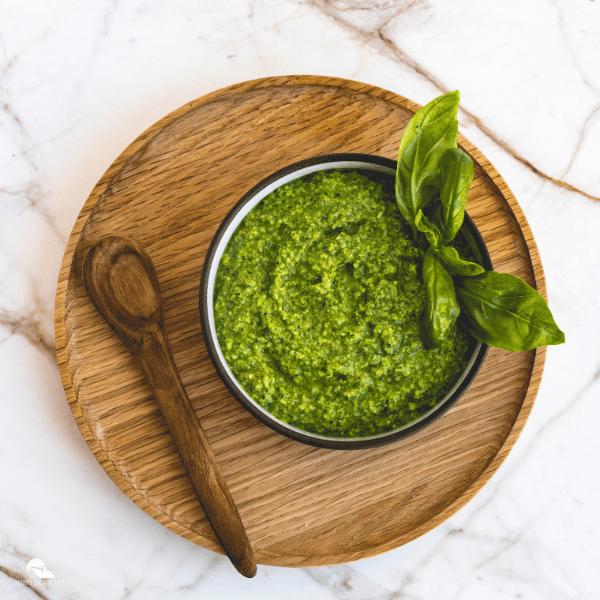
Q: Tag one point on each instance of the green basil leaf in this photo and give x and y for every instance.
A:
(432, 130)
(432, 233)
(501, 310)
(441, 307)
(456, 175)
(455, 265)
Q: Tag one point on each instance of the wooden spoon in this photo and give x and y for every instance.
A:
(121, 281)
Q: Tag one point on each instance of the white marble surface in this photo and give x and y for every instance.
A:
(80, 80)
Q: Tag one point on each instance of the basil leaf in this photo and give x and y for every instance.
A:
(455, 265)
(501, 310)
(456, 175)
(432, 130)
(432, 233)
(441, 307)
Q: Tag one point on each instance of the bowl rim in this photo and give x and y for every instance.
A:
(345, 160)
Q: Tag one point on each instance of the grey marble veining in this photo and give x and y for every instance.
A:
(78, 83)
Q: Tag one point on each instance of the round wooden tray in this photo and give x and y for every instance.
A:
(302, 506)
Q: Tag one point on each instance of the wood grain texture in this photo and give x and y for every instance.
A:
(301, 505)
(121, 281)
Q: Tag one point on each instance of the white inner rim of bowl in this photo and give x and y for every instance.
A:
(213, 275)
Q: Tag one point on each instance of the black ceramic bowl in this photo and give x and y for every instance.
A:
(211, 263)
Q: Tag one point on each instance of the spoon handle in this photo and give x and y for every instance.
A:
(198, 457)
(121, 282)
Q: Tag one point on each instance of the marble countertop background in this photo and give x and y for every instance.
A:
(80, 80)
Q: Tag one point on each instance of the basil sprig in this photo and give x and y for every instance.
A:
(497, 309)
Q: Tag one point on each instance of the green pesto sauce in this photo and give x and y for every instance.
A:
(316, 305)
